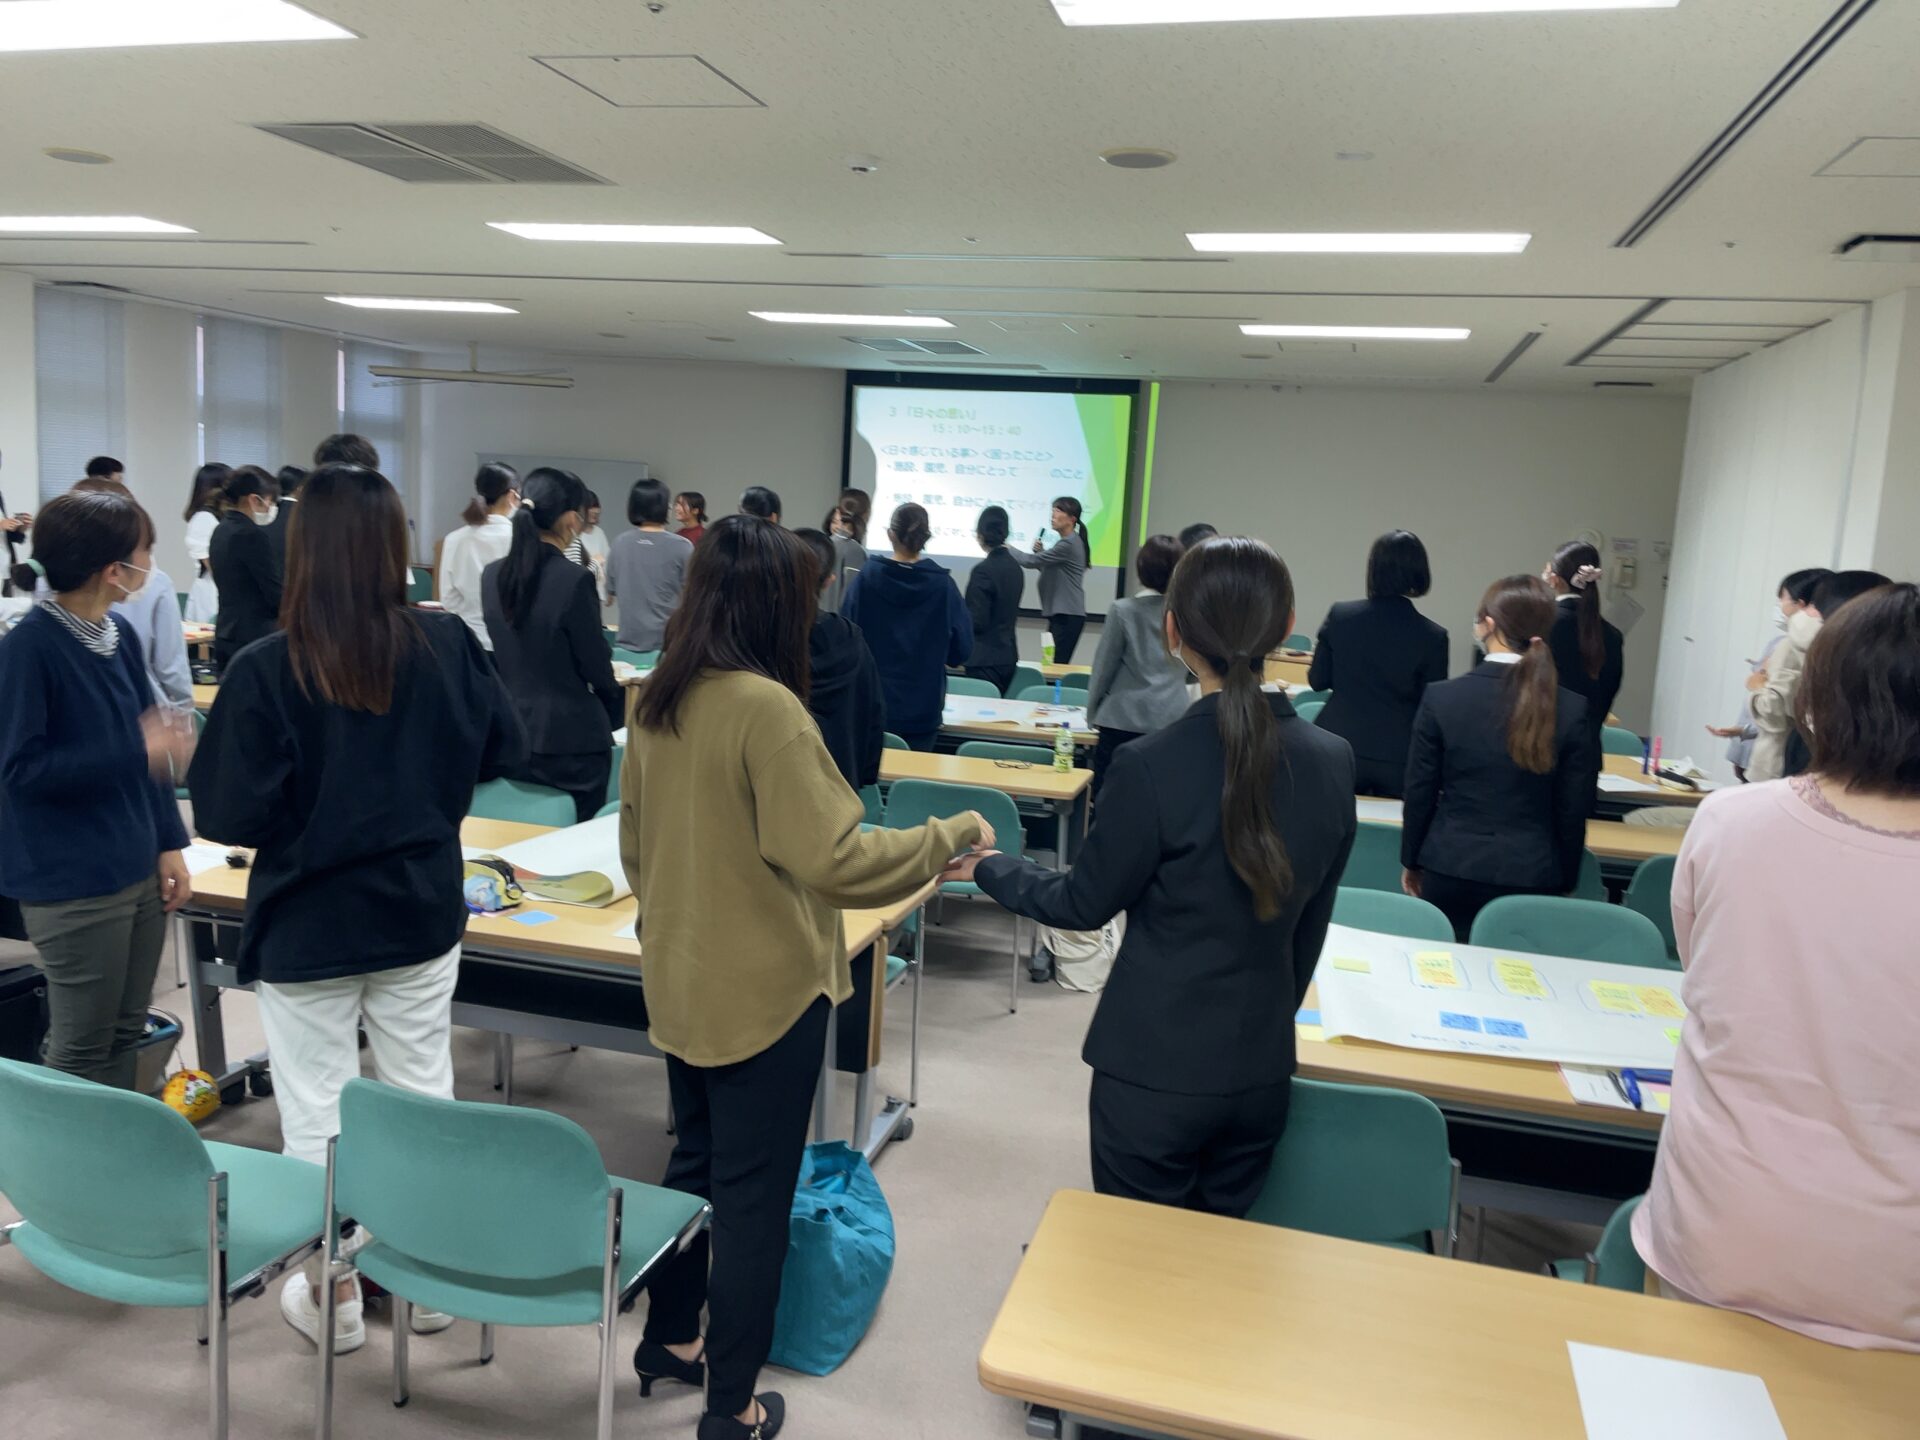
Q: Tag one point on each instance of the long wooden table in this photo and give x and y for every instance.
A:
(1608, 839)
(1659, 792)
(1197, 1326)
(1063, 791)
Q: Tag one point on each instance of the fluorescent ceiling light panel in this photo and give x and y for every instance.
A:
(1357, 332)
(893, 322)
(638, 234)
(1381, 243)
(462, 307)
(112, 24)
(87, 224)
(1174, 12)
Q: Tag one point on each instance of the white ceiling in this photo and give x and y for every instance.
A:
(986, 117)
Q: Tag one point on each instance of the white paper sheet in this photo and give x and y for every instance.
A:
(629, 931)
(1029, 714)
(1377, 810)
(1626, 785)
(1624, 1396)
(593, 846)
(201, 857)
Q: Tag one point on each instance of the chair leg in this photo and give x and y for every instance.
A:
(200, 1313)
(1013, 995)
(503, 1067)
(609, 1312)
(486, 1344)
(402, 1328)
(919, 973)
(214, 1315)
(329, 1250)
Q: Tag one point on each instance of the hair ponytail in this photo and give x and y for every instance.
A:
(1232, 603)
(545, 497)
(1520, 609)
(1072, 507)
(492, 482)
(1569, 561)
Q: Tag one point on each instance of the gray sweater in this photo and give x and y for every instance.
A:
(1136, 685)
(1062, 569)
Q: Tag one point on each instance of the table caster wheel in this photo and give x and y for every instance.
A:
(260, 1084)
(905, 1132)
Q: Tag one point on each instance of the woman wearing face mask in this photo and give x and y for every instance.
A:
(1063, 569)
(1773, 687)
(543, 613)
(90, 837)
(246, 571)
(204, 503)
(1793, 595)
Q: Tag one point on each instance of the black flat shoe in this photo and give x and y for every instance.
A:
(725, 1427)
(653, 1362)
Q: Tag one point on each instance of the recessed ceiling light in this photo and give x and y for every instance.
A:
(88, 225)
(1137, 157)
(1174, 12)
(638, 234)
(1385, 243)
(76, 157)
(1357, 332)
(111, 24)
(386, 302)
(897, 322)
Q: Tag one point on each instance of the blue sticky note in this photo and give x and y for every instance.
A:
(1451, 1021)
(533, 917)
(1512, 1029)
(1307, 1017)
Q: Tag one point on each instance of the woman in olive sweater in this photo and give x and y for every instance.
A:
(743, 952)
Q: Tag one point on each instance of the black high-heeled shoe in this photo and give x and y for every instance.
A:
(725, 1427)
(653, 1362)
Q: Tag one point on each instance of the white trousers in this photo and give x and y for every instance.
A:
(313, 1042)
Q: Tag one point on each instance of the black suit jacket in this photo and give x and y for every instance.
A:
(246, 573)
(556, 662)
(1378, 657)
(1597, 690)
(277, 531)
(994, 589)
(1475, 815)
(1202, 996)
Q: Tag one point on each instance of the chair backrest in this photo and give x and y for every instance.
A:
(100, 1167)
(1375, 861)
(516, 800)
(876, 805)
(639, 659)
(1651, 894)
(1023, 676)
(891, 741)
(914, 802)
(1590, 885)
(1043, 694)
(1578, 929)
(613, 775)
(1615, 740)
(1307, 697)
(1617, 1265)
(968, 685)
(181, 596)
(1360, 1163)
(612, 807)
(419, 586)
(1297, 641)
(1387, 913)
(994, 750)
(490, 1189)
(1309, 710)
(1076, 680)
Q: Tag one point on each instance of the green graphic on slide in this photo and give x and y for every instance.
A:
(1104, 421)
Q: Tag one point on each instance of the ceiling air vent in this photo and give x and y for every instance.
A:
(894, 345)
(1623, 385)
(436, 154)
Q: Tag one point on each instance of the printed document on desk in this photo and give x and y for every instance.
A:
(1624, 1396)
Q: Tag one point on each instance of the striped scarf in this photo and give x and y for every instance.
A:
(102, 638)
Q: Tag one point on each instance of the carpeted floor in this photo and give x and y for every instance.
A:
(1000, 1127)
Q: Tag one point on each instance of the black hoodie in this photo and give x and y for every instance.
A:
(845, 698)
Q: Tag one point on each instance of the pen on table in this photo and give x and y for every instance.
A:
(1628, 1082)
(1656, 754)
(1646, 757)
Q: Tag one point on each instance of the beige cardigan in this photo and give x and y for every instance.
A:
(1773, 702)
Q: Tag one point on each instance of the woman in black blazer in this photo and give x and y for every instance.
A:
(1377, 656)
(994, 587)
(1588, 652)
(1499, 779)
(246, 567)
(543, 616)
(1223, 837)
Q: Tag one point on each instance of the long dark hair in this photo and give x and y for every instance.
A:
(752, 589)
(1072, 507)
(1520, 608)
(79, 534)
(209, 483)
(245, 480)
(856, 509)
(1568, 561)
(345, 607)
(1232, 604)
(493, 480)
(546, 496)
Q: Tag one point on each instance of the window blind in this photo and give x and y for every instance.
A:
(377, 409)
(79, 366)
(240, 393)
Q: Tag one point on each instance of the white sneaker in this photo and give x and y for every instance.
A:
(430, 1322)
(297, 1305)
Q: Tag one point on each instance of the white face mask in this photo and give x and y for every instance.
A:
(1779, 618)
(141, 571)
(265, 517)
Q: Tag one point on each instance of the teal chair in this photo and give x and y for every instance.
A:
(1590, 885)
(613, 635)
(419, 586)
(1038, 819)
(1023, 676)
(1613, 1263)
(967, 685)
(1375, 861)
(1360, 1162)
(1043, 694)
(1578, 929)
(1078, 680)
(199, 725)
(1387, 913)
(517, 800)
(1297, 641)
(1309, 710)
(1650, 893)
(612, 807)
(1311, 697)
(1616, 741)
(639, 659)
(914, 802)
(121, 1200)
(181, 596)
(876, 805)
(489, 1213)
(891, 741)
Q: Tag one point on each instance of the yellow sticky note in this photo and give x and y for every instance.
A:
(1660, 1102)
(1310, 1032)
(1353, 963)
(1614, 998)
(1673, 1034)
(1658, 1000)
(1518, 977)
(1436, 970)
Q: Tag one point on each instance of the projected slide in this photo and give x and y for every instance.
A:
(958, 451)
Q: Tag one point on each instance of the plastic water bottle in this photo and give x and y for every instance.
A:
(1057, 696)
(1063, 748)
(1046, 647)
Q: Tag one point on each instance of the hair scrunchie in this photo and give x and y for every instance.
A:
(1586, 576)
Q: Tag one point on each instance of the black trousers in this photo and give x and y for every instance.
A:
(1461, 900)
(740, 1131)
(1193, 1152)
(921, 742)
(998, 676)
(1103, 752)
(1066, 635)
(1380, 777)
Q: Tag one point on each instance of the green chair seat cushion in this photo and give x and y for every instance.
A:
(651, 1222)
(896, 967)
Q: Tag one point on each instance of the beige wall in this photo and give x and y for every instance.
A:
(19, 425)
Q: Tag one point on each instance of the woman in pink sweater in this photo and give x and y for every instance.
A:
(1788, 1179)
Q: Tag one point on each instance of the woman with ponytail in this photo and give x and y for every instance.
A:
(205, 501)
(1063, 573)
(484, 536)
(1222, 837)
(543, 613)
(1587, 650)
(1500, 773)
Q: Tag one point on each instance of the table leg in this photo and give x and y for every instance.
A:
(1063, 826)
(210, 1032)
(862, 1109)
(919, 975)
